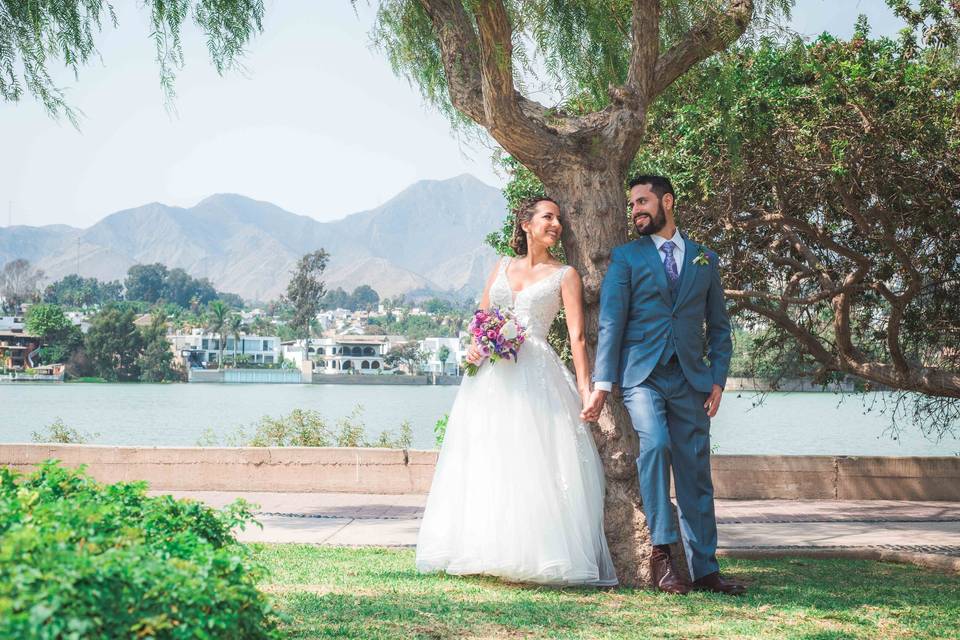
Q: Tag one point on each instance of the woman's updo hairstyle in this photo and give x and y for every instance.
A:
(524, 213)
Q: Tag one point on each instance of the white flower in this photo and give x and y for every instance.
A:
(509, 330)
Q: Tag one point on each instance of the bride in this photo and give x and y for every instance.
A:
(518, 488)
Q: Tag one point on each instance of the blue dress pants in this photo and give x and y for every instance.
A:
(674, 430)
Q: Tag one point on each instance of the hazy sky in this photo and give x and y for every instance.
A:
(319, 125)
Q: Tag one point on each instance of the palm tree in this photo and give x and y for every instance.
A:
(217, 316)
(261, 326)
(443, 353)
(235, 326)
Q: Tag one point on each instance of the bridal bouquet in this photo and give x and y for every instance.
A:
(497, 334)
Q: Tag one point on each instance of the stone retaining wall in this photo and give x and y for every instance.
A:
(394, 471)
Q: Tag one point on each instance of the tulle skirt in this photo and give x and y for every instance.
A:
(518, 489)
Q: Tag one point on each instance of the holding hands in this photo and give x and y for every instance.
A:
(593, 405)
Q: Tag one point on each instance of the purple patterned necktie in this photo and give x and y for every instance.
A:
(669, 264)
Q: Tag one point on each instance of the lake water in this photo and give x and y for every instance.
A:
(179, 414)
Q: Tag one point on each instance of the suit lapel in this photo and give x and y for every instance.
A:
(689, 272)
(652, 257)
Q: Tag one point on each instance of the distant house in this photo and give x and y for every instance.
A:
(12, 323)
(15, 349)
(360, 354)
(80, 319)
(200, 349)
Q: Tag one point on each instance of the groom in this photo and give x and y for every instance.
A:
(658, 294)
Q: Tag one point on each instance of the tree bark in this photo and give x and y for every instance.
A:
(592, 210)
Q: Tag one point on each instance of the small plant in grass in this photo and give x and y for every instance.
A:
(80, 559)
(59, 433)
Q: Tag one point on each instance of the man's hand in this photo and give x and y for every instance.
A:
(474, 355)
(713, 401)
(593, 407)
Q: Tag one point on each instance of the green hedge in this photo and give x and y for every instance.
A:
(80, 559)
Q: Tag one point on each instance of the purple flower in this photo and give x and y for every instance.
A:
(497, 335)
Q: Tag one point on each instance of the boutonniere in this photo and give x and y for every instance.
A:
(701, 258)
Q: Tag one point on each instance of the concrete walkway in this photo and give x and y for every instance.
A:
(345, 519)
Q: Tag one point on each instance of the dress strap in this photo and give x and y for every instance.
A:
(559, 281)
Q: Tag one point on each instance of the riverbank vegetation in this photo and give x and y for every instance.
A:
(57, 432)
(307, 428)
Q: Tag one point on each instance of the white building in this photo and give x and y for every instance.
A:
(12, 323)
(431, 347)
(343, 354)
(80, 319)
(199, 348)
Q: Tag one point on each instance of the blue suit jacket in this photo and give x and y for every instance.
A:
(638, 317)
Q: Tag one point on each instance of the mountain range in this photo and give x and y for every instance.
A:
(427, 239)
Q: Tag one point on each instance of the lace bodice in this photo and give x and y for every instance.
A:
(536, 305)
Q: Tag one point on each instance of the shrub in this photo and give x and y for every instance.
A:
(79, 559)
(307, 428)
(59, 433)
(387, 440)
(302, 428)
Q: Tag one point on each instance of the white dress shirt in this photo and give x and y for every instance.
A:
(678, 249)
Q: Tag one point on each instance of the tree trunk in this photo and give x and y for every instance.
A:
(593, 212)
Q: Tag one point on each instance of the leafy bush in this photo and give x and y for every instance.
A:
(59, 433)
(299, 429)
(307, 428)
(79, 559)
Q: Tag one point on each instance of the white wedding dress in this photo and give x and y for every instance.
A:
(518, 489)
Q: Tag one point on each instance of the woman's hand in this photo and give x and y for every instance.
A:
(474, 355)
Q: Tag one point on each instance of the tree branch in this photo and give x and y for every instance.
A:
(645, 30)
(713, 34)
(894, 323)
(746, 294)
(461, 56)
(515, 122)
(802, 335)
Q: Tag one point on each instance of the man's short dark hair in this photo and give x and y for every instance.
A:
(658, 184)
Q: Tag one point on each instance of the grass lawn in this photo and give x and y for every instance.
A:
(376, 593)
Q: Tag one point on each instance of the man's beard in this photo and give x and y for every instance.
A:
(657, 222)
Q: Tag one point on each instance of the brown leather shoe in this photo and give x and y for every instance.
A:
(717, 584)
(665, 575)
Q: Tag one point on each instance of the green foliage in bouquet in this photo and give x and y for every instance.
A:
(440, 430)
(80, 559)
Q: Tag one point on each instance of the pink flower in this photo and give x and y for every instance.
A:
(496, 334)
